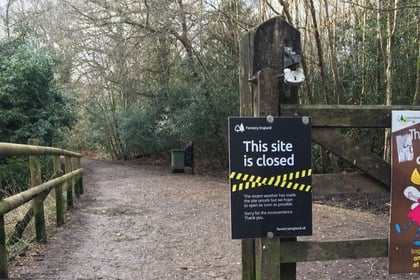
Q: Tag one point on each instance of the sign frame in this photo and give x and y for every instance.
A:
(404, 236)
(270, 176)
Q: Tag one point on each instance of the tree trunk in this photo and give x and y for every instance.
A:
(391, 25)
(332, 50)
(7, 22)
(416, 100)
(321, 63)
(379, 48)
(308, 98)
(363, 58)
(286, 11)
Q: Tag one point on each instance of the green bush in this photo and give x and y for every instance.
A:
(31, 103)
(14, 175)
(189, 113)
(31, 106)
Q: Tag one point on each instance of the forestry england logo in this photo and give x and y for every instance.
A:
(240, 128)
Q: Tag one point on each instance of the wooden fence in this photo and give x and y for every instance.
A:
(69, 180)
(263, 93)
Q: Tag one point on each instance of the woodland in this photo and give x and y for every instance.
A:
(133, 78)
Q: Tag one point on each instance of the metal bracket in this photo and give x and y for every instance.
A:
(291, 59)
(293, 74)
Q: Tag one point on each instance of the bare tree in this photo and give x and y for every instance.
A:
(331, 28)
(416, 100)
(320, 52)
(7, 17)
(391, 27)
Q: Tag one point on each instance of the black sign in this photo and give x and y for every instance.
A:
(270, 177)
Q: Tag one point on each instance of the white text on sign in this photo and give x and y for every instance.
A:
(287, 158)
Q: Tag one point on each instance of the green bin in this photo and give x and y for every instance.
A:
(177, 160)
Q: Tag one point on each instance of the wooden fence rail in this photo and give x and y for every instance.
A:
(38, 191)
(10, 149)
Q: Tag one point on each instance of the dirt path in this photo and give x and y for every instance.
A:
(143, 222)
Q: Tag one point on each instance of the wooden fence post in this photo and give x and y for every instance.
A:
(3, 249)
(38, 202)
(262, 64)
(4, 274)
(75, 165)
(69, 184)
(59, 202)
(80, 179)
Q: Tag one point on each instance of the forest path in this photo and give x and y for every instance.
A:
(139, 221)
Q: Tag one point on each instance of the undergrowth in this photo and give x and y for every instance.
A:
(26, 242)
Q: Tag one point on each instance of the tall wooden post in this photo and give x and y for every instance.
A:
(246, 90)
(262, 91)
(38, 202)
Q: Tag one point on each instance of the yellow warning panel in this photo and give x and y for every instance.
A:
(282, 181)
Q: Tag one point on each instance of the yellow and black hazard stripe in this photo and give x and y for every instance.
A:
(282, 181)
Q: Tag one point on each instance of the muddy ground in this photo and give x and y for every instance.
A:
(144, 222)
